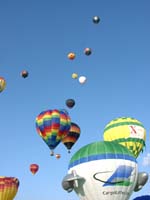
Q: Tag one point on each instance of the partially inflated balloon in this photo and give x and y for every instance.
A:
(128, 132)
(8, 187)
(70, 103)
(34, 168)
(53, 126)
(72, 136)
(2, 84)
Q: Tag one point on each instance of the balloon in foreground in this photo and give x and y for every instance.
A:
(8, 187)
(71, 56)
(70, 103)
(74, 76)
(72, 136)
(128, 132)
(96, 19)
(52, 126)
(24, 73)
(144, 197)
(102, 171)
(82, 79)
(87, 51)
(2, 84)
(34, 168)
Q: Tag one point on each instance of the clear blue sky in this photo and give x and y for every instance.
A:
(37, 35)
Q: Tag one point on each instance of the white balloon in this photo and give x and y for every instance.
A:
(82, 79)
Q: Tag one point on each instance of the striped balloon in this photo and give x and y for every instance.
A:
(53, 126)
(72, 136)
(8, 187)
(127, 131)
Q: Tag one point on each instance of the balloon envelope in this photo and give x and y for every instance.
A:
(70, 103)
(24, 73)
(8, 187)
(96, 19)
(52, 126)
(2, 84)
(128, 132)
(87, 51)
(144, 197)
(34, 168)
(82, 79)
(74, 76)
(71, 56)
(104, 170)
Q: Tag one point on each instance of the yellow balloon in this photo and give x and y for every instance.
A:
(126, 131)
(74, 75)
(2, 84)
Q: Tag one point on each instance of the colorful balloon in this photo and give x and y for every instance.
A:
(8, 187)
(72, 136)
(96, 19)
(24, 73)
(71, 56)
(70, 103)
(128, 132)
(2, 84)
(53, 126)
(102, 171)
(34, 168)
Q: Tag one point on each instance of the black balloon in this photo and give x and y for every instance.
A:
(24, 73)
(96, 19)
(70, 103)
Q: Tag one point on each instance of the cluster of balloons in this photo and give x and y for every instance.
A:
(113, 166)
(55, 126)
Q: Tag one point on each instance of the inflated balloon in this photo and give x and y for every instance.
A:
(102, 171)
(8, 187)
(127, 131)
(74, 76)
(34, 168)
(24, 73)
(2, 84)
(53, 126)
(87, 51)
(82, 79)
(144, 197)
(70, 103)
(72, 136)
(96, 19)
(71, 56)
(57, 155)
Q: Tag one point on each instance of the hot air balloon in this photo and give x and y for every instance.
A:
(57, 155)
(72, 136)
(52, 126)
(2, 84)
(8, 187)
(87, 51)
(127, 131)
(144, 197)
(70, 103)
(34, 168)
(102, 171)
(74, 76)
(82, 79)
(71, 56)
(24, 73)
(96, 19)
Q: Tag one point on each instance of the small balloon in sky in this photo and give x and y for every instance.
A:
(74, 76)
(57, 155)
(34, 168)
(2, 84)
(96, 19)
(82, 79)
(87, 51)
(70, 103)
(71, 56)
(24, 73)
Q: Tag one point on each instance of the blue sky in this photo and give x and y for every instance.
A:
(37, 36)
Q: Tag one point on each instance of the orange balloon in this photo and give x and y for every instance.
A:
(71, 56)
(57, 156)
(34, 168)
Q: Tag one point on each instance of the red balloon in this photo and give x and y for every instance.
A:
(34, 168)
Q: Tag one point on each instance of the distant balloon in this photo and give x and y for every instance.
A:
(128, 132)
(52, 126)
(74, 75)
(82, 79)
(57, 156)
(87, 51)
(71, 56)
(72, 136)
(70, 103)
(24, 73)
(2, 84)
(96, 19)
(8, 187)
(34, 168)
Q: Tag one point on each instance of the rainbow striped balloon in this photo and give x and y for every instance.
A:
(53, 126)
(8, 187)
